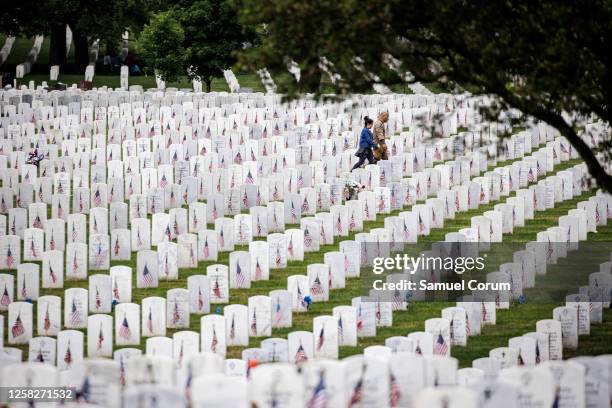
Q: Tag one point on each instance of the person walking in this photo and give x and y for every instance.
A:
(366, 143)
(380, 135)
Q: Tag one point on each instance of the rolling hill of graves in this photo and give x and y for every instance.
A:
(178, 234)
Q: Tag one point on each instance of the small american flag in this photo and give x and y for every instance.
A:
(338, 225)
(421, 225)
(378, 313)
(17, 329)
(221, 238)
(300, 355)
(258, 270)
(321, 340)
(278, 314)
(214, 341)
(278, 260)
(394, 391)
(440, 348)
(381, 204)
(417, 349)
(24, 292)
(240, 277)
(307, 239)
(317, 288)
(340, 328)
(398, 302)
(147, 276)
(166, 266)
(5, 300)
(176, 315)
(293, 214)
(10, 259)
(319, 396)
(357, 393)
(100, 338)
(98, 299)
(47, 320)
(359, 320)
(206, 249)
(254, 323)
(352, 223)
(37, 222)
(232, 332)
(97, 198)
(124, 330)
(33, 249)
(366, 210)
(75, 315)
(290, 246)
(300, 298)
(150, 321)
(117, 247)
(217, 289)
(483, 311)
(249, 178)
(305, 206)
(68, 355)
(530, 176)
(52, 274)
(115, 288)
(121, 372)
(75, 264)
(164, 181)
(200, 299)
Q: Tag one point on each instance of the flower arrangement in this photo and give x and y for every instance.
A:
(352, 190)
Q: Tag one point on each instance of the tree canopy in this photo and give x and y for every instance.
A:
(545, 58)
(212, 36)
(161, 46)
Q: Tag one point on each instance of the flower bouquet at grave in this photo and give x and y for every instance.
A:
(352, 190)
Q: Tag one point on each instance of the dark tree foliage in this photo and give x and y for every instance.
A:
(89, 20)
(545, 58)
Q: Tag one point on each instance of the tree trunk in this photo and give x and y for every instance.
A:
(81, 49)
(208, 82)
(57, 45)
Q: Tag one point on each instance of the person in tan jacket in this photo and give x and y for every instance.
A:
(380, 135)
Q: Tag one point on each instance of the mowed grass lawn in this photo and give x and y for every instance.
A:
(516, 321)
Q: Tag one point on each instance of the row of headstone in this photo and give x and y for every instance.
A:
(381, 376)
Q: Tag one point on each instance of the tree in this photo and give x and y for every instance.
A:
(211, 36)
(549, 59)
(160, 46)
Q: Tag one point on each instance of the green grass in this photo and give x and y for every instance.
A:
(514, 322)
(20, 51)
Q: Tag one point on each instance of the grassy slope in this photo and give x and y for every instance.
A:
(21, 49)
(516, 321)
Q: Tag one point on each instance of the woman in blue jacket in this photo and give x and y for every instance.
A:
(366, 143)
